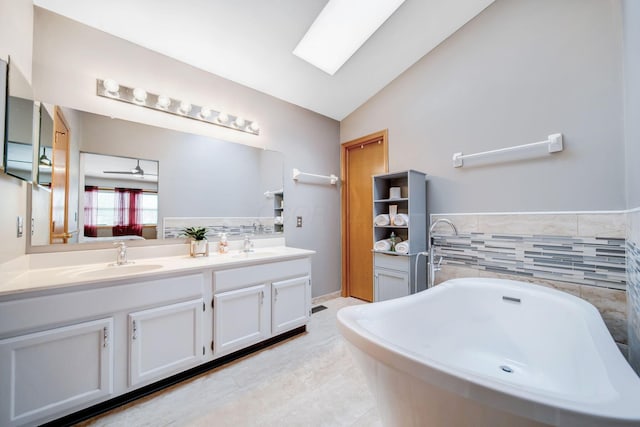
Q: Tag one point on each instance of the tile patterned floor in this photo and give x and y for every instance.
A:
(309, 380)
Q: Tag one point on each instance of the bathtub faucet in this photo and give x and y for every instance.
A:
(433, 265)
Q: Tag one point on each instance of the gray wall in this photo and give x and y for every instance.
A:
(518, 72)
(16, 28)
(631, 35)
(308, 141)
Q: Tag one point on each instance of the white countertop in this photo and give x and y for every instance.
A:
(26, 280)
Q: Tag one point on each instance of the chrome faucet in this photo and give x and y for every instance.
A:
(121, 254)
(433, 265)
(247, 245)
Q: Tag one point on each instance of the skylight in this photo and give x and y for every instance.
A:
(340, 29)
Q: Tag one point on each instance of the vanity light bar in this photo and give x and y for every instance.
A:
(109, 88)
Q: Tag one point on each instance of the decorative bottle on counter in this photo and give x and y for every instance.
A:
(223, 244)
(393, 240)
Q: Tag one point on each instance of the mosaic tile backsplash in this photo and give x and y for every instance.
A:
(596, 261)
(233, 226)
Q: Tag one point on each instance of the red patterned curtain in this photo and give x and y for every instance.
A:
(128, 215)
(91, 211)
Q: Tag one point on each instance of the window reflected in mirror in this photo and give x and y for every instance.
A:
(120, 200)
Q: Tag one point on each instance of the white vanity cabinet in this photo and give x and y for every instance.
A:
(165, 340)
(240, 318)
(62, 352)
(290, 304)
(252, 304)
(57, 369)
(65, 349)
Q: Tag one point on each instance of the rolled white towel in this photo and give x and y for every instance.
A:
(401, 219)
(402, 247)
(385, 244)
(382, 245)
(382, 220)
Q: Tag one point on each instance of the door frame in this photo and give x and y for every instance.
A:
(382, 136)
(60, 120)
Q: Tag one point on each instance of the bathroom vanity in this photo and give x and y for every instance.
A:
(74, 336)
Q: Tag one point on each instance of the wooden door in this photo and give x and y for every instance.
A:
(59, 224)
(361, 159)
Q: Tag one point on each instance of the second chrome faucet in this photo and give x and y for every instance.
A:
(121, 254)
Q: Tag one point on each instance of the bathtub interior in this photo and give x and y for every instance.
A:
(532, 340)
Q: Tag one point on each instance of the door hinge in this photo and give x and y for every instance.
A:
(213, 303)
(204, 307)
(212, 346)
(134, 329)
(203, 350)
(105, 337)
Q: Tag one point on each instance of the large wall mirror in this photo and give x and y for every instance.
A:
(169, 174)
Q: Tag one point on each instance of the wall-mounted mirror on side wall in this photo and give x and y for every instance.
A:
(19, 131)
(3, 106)
(45, 152)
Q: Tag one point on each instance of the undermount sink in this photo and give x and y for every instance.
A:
(257, 254)
(113, 270)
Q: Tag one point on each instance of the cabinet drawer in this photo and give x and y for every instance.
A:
(237, 278)
(393, 262)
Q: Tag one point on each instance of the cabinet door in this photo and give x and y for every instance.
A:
(290, 305)
(45, 373)
(390, 284)
(241, 318)
(165, 340)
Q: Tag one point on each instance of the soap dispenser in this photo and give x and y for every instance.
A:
(223, 244)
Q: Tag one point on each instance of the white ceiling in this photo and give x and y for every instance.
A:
(251, 42)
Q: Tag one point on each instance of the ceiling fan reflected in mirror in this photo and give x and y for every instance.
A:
(137, 170)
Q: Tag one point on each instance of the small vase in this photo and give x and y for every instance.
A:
(199, 247)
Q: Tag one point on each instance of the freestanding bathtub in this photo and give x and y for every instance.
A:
(489, 352)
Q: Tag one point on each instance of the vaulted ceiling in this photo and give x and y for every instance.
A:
(251, 42)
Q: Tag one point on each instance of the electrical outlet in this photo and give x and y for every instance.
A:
(19, 227)
(299, 221)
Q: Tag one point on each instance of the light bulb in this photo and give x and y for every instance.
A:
(254, 126)
(185, 107)
(111, 86)
(239, 122)
(139, 95)
(163, 102)
(223, 117)
(205, 112)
